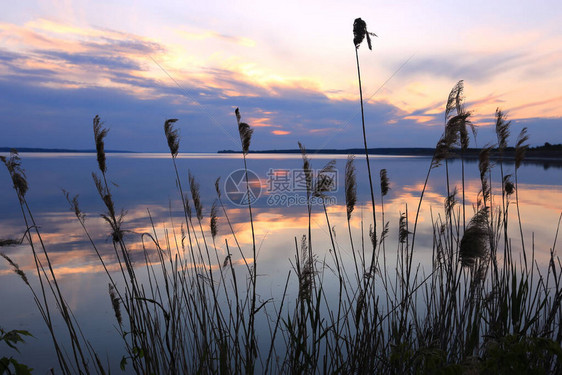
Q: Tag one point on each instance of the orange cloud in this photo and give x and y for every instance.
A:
(262, 122)
(280, 132)
(556, 100)
(72, 57)
(420, 119)
(324, 130)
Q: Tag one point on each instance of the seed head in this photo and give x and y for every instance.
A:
(475, 241)
(172, 136)
(521, 147)
(99, 134)
(350, 186)
(245, 132)
(384, 182)
(214, 219)
(19, 181)
(360, 32)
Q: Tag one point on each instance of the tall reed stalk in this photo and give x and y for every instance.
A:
(360, 33)
(245, 138)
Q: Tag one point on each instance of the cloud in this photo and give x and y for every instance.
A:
(557, 102)
(63, 56)
(7, 56)
(42, 116)
(280, 132)
(55, 77)
(211, 34)
(128, 44)
(92, 60)
(471, 66)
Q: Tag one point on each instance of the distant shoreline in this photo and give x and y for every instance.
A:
(58, 150)
(405, 151)
(546, 153)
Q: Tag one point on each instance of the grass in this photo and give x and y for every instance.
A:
(181, 306)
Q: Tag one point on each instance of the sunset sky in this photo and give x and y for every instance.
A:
(289, 66)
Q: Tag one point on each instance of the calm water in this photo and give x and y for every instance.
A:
(144, 183)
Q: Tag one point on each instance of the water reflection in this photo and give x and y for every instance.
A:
(144, 185)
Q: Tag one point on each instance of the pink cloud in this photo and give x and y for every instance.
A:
(280, 132)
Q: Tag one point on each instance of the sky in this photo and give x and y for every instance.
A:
(289, 66)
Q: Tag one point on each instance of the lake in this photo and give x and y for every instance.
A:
(143, 185)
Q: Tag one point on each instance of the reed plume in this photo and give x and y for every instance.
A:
(245, 132)
(195, 195)
(350, 201)
(214, 219)
(385, 187)
(451, 201)
(115, 221)
(484, 167)
(456, 126)
(350, 186)
(226, 260)
(74, 207)
(384, 232)
(187, 207)
(19, 181)
(521, 147)
(16, 268)
(455, 129)
(9, 242)
(306, 168)
(116, 304)
(455, 100)
(403, 228)
(508, 186)
(443, 147)
(384, 182)
(306, 274)
(360, 306)
(238, 115)
(360, 33)
(460, 124)
(99, 134)
(475, 241)
(103, 193)
(172, 136)
(217, 187)
(502, 130)
(373, 238)
(324, 180)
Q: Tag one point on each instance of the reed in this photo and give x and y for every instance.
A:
(360, 33)
(185, 304)
(79, 357)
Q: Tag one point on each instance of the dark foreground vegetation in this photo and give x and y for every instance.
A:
(484, 306)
